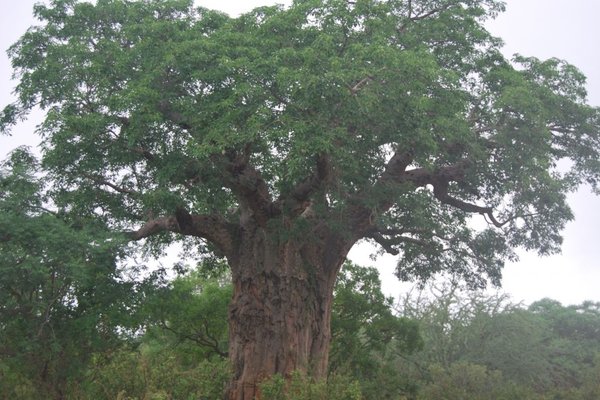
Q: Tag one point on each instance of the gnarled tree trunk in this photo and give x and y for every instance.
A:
(279, 319)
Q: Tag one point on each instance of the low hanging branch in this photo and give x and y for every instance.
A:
(212, 228)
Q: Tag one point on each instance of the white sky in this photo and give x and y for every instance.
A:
(567, 29)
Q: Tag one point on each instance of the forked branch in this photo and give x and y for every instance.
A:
(320, 177)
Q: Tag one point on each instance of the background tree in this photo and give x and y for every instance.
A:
(452, 318)
(281, 138)
(367, 336)
(473, 341)
(192, 311)
(62, 298)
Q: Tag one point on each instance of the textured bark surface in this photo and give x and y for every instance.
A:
(279, 318)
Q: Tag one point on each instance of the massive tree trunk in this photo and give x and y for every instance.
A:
(280, 313)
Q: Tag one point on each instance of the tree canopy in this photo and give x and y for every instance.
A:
(388, 120)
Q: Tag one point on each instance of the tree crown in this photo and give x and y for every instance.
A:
(388, 120)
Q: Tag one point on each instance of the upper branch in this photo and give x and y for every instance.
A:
(238, 174)
(175, 117)
(248, 185)
(396, 174)
(303, 191)
(101, 181)
(389, 243)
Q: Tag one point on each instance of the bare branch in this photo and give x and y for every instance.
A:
(358, 86)
(101, 181)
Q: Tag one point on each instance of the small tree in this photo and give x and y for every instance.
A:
(61, 296)
(281, 138)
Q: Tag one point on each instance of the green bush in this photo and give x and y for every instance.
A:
(140, 375)
(302, 388)
(464, 380)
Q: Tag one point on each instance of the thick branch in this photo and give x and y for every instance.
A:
(241, 177)
(303, 191)
(143, 152)
(154, 227)
(175, 117)
(429, 13)
(424, 15)
(250, 187)
(210, 227)
(359, 85)
(396, 166)
(125, 123)
(396, 174)
(388, 243)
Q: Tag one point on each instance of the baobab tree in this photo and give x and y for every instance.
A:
(279, 139)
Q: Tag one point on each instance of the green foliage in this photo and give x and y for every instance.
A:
(471, 381)
(481, 346)
(449, 317)
(402, 118)
(300, 387)
(155, 373)
(516, 343)
(182, 353)
(366, 335)
(155, 105)
(60, 288)
(192, 312)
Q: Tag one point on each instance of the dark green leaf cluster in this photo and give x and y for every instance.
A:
(367, 336)
(192, 311)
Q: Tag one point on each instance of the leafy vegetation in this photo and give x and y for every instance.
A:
(480, 346)
(442, 341)
(61, 297)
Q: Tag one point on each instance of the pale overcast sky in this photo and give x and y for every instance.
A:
(567, 29)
